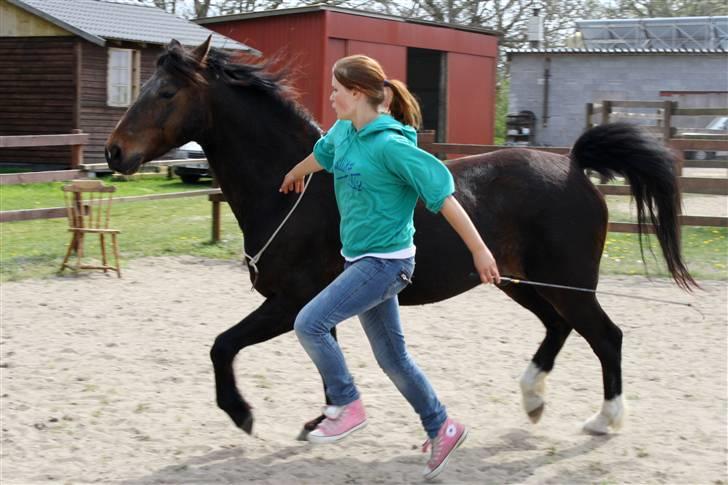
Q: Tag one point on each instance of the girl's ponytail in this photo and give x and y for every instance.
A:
(404, 107)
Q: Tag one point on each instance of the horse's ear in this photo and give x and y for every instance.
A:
(173, 44)
(200, 52)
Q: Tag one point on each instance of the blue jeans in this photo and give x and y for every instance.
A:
(368, 288)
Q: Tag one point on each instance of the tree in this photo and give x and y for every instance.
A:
(168, 5)
(663, 8)
(509, 17)
(202, 7)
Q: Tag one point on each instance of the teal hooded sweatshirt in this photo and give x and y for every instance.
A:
(379, 173)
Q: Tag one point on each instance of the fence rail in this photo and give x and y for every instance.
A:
(691, 185)
(38, 177)
(57, 212)
(76, 140)
(688, 185)
(214, 194)
(99, 167)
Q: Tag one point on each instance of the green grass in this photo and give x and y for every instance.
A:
(182, 226)
(705, 250)
(32, 196)
(151, 228)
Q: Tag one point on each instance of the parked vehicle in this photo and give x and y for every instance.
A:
(718, 126)
(191, 172)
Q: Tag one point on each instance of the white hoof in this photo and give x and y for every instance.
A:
(610, 418)
(533, 385)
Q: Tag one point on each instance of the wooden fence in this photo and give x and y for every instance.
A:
(692, 185)
(662, 116)
(214, 194)
(688, 185)
(77, 139)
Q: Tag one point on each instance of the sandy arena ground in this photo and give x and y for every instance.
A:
(109, 381)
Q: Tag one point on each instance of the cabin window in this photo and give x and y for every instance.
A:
(123, 77)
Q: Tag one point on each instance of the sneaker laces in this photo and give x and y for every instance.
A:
(434, 443)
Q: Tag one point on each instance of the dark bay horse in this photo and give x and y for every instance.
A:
(538, 212)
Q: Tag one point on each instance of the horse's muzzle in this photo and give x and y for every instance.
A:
(118, 162)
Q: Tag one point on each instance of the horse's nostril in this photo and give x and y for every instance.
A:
(112, 153)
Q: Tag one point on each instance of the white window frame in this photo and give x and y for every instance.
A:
(122, 77)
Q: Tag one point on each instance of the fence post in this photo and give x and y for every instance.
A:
(606, 111)
(667, 110)
(215, 219)
(589, 113)
(215, 199)
(76, 151)
(668, 132)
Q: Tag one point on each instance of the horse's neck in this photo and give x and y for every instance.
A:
(251, 148)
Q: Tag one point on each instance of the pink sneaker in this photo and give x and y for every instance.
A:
(340, 422)
(451, 435)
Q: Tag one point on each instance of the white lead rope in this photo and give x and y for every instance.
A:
(252, 261)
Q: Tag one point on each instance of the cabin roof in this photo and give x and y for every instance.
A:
(343, 10)
(98, 21)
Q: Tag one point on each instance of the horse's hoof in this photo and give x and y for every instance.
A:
(247, 424)
(308, 427)
(535, 414)
(611, 417)
(597, 425)
(313, 424)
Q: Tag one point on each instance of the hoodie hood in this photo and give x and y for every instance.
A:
(386, 122)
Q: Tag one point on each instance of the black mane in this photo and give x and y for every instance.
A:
(237, 71)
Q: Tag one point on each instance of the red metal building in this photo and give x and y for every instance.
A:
(451, 69)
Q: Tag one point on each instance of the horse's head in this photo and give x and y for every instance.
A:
(171, 110)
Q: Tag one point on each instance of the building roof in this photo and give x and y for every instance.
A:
(614, 51)
(349, 11)
(98, 21)
(655, 33)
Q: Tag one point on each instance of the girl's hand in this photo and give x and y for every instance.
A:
(486, 266)
(291, 184)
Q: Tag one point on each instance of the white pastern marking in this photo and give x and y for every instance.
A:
(611, 416)
(533, 385)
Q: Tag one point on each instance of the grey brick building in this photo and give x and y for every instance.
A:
(556, 84)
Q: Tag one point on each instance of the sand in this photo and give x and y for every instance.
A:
(110, 381)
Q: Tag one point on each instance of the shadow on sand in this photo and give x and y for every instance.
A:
(293, 464)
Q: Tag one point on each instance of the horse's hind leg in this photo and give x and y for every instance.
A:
(533, 379)
(583, 312)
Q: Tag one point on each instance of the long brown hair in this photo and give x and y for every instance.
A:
(367, 76)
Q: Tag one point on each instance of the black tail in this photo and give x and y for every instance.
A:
(622, 148)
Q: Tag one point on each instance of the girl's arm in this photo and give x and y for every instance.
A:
(482, 257)
(293, 180)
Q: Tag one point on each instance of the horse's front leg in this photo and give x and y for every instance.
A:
(271, 319)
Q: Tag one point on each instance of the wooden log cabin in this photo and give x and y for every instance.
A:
(79, 64)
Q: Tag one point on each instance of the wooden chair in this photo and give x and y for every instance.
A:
(89, 209)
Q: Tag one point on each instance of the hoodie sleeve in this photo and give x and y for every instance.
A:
(427, 175)
(325, 148)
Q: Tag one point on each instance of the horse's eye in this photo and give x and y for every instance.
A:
(167, 94)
